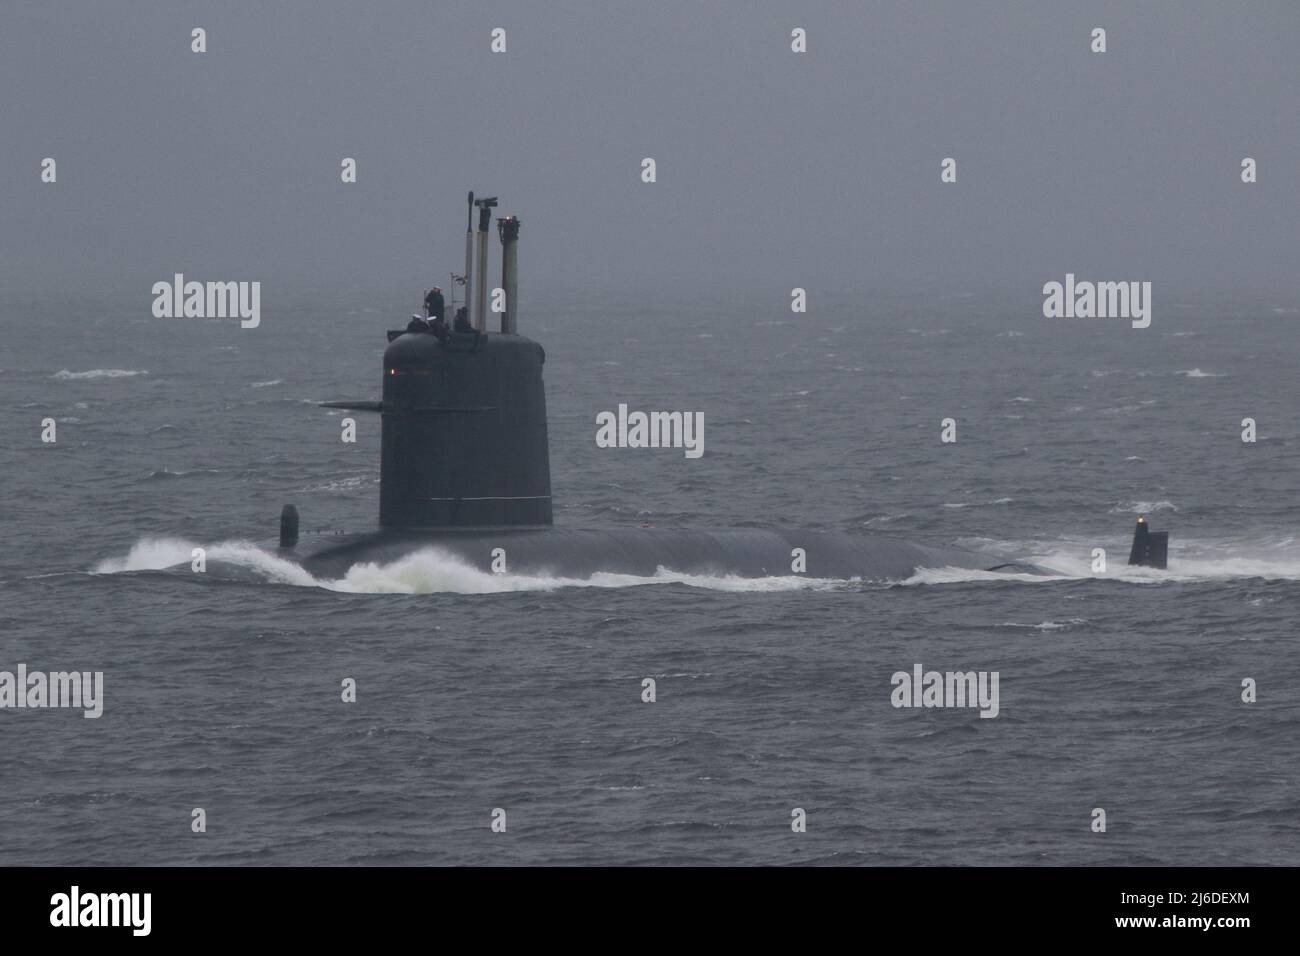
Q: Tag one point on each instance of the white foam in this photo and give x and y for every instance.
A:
(1047, 625)
(352, 483)
(1142, 507)
(98, 373)
(970, 575)
(433, 571)
(1190, 561)
(159, 554)
(428, 571)
(886, 519)
(148, 554)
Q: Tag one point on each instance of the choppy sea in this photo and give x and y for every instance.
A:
(1119, 690)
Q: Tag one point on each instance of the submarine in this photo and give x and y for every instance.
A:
(465, 469)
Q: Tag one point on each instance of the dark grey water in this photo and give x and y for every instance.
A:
(1119, 691)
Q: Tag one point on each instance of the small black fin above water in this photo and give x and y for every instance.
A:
(288, 527)
(1150, 548)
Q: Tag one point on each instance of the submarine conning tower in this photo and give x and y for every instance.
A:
(464, 442)
(1150, 549)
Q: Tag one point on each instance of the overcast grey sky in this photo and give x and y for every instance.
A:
(775, 169)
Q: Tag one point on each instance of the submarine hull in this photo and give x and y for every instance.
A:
(580, 553)
(465, 469)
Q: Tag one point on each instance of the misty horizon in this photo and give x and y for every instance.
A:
(775, 170)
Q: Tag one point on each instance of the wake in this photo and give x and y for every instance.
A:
(426, 571)
(433, 571)
(1190, 561)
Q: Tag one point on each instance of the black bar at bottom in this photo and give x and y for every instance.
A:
(335, 905)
